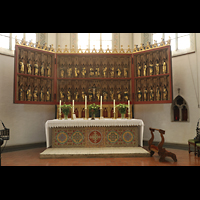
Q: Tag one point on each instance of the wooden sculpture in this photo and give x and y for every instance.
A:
(162, 152)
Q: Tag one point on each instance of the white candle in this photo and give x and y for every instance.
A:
(85, 102)
(113, 105)
(101, 103)
(60, 108)
(128, 106)
(72, 106)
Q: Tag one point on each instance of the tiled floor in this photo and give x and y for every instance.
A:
(31, 157)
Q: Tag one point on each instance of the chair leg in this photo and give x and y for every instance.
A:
(189, 147)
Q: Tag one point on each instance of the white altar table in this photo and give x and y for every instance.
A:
(80, 122)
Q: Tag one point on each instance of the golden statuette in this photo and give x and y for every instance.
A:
(164, 67)
(145, 94)
(35, 94)
(29, 94)
(36, 68)
(29, 67)
(151, 94)
(48, 95)
(21, 66)
(165, 93)
(157, 93)
(139, 69)
(112, 72)
(48, 70)
(151, 68)
(42, 94)
(42, 69)
(157, 68)
(139, 93)
(145, 70)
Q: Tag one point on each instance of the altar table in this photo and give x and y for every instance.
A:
(94, 133)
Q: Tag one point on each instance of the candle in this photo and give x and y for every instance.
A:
(60, 108)
(128, 106)
(113, 105)
(101, 103)
(85, 102)
(72, 106)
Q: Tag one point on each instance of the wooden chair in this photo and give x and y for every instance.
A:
(198, 148)
(194, 143)
(162, 152)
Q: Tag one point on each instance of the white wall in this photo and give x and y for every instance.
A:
(159, 115)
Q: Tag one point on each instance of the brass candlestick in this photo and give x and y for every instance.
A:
(72, 117)
(129, 115)
(101, 117)
(59, 115)
(114, 115)
(85, 113)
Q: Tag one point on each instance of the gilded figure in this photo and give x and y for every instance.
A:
(98, 95)
(151, 94)
(90, 94)
(118, 72)
(21, 66)
(35, 94)
(21, 93)
(48, 95)
(69, 95)
(151, 69)
(157, 68)
(119, 96)
(164, 67)
(69, 71)
(165, 93)
(105, 72)
(157, 93)
(36, 68)
(42, 69)
(83, 95)
(83, 72)
(139, 94)
(97, 72)
(111, 94)
(62, 95)
(42, 94)
(29, 94)
(125, 72)
(145, 70)
(105, 95)
(91, 72)
(29, 67)
(112, 72)
(139, 69)
(126, 94)
(62, 72)
(145, 94)
(76, 95)
(76, 72)
(48, 70)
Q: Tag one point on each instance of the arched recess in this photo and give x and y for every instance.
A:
(179, 110)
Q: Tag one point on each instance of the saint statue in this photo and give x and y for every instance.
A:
(97, 72)
(83, 95)
(164, 67)
(29, 94)
(119, 96)
(105, 95)
(21, 93)
(91, 72)
(112, 72)
(126, 94)
(76, 94)
(62, 95)
(83, 71)
(105, 72)
(69, 95)
(48, 70)
(151, 94)
(157, 68)
(98, 94)
(42, 69)
(139, 70)
(139, 94)
(111, 94)
(62, 72)
(145, 70)
(151, 68)
(145, 94)
(90, 94)
(157, 93)
(42, 94)
(21, 66)
(48, 95)
(69, 71)
(119, 72)
(35, 94)
(165, 93)
(36, 68)
(29, 67)
(76, 72)
(125, 72)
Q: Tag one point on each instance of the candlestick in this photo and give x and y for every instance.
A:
(128, 106)
(101, 103)
(72, 106)
(85, 102)
(101, 117)
(114, 115)
(59, 115)
(114, 105)
(85, 113)
(60, 108)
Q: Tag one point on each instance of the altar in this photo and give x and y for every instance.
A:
(107, 132)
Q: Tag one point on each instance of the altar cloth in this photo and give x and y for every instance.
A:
(80, 122)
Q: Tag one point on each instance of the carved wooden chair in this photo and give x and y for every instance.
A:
(162, 152)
